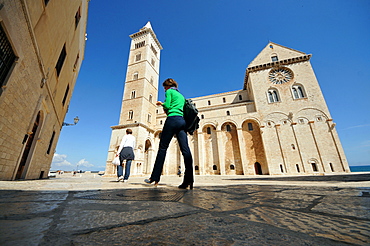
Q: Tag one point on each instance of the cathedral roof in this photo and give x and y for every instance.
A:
(275, 55)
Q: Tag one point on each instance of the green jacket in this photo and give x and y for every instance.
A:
(174, 103)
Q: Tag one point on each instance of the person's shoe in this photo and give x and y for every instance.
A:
(125, 181)
(149, 181)
(185, 186)
(120, 178)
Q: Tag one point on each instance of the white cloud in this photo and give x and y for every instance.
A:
(60, 161)
(84, 163)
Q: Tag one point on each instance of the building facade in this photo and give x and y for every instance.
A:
(277, 124)
(42, 47)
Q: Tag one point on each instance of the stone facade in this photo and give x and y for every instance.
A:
(42, 44)
(277, 124)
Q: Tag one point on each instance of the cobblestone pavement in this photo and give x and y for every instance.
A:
(225, 210)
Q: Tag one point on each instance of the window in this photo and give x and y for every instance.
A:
(202, 116)
(160, 122)
(214, 168)
(77, 17)
(139, 45)
(331, 167)
(250, 127)
(281, 168)
(314, 166)
(153, 49)
(50, 143)
(298, 92)
(138, 57)
(274, 58)
(228, 128)
(149, 117)
(61, 59)
(223, 100)
(232, 167)
(240, 97)
(208, 130)
(151, 80)
(7, 57)
(136, 75)
(133, 94)
(209, 102)
(196, 168)
(297, 166)
(130, 115)
(150, 98)
(227, 112)
(273, 96)
(293, 147)
(153, 62)
(76, 62)
(65, 95)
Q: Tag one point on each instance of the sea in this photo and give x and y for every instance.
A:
(359, 168)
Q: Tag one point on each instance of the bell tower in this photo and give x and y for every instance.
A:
(138, 110)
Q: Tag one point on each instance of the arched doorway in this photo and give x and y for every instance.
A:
(22, 169)
(147, 156)
(258, 168)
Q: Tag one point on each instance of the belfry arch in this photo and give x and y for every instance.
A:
(254, 148)
(230, 146)
(211, 158)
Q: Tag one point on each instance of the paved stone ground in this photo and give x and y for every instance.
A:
(88, 209)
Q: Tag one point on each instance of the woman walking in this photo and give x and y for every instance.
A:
(174, 126)
(126, 152)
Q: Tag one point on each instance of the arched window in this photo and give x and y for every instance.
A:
(232, 167)
(273, 96)
(150, 98)
(250, 127)
(314, 166)
(227, 112)
(138, 57)
(208, 130)
(133, 94)
(196, 168)
(298, 91)
(274, 58)
(228, 128)
(331, 167)
(202, 116)
(214, 167)
(136, 76)
(224, 100)
(130, 115)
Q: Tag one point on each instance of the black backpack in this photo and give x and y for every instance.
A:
(191, 116)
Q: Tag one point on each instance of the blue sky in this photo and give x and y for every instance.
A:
(207, 46)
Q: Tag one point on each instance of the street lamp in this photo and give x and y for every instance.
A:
(75, 120)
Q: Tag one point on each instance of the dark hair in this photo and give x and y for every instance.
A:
(170, 82)
(129, 131)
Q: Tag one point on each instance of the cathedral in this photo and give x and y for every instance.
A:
(278, 123)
